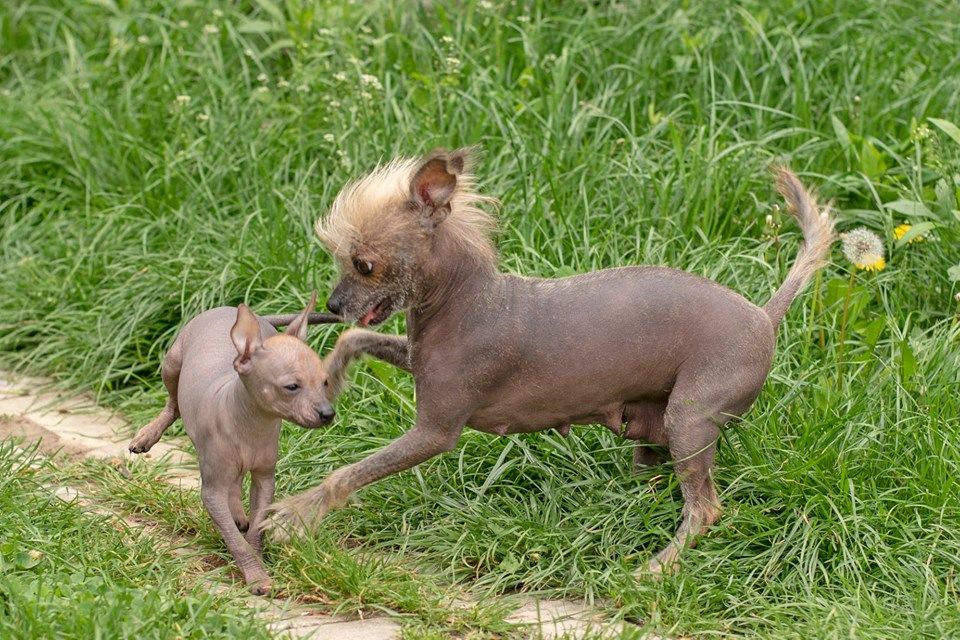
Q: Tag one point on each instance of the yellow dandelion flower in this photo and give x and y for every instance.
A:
(902, 230)
(864, 249)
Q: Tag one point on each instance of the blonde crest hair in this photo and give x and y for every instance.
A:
(376, 206)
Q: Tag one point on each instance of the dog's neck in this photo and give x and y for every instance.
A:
(463, 285)
(243, 407)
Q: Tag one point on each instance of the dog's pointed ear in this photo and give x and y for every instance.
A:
(433, 186)
(298, 328)
(246, 338)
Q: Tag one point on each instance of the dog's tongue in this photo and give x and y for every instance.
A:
(368, 316)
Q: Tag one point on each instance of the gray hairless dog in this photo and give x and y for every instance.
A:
(655, 354)
(232, 377)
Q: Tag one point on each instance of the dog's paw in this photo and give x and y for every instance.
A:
(297, 515)
(142, 443)
(260, 586)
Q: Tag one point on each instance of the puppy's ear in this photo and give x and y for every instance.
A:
(246, 338)
(298, 327)
(432, 188)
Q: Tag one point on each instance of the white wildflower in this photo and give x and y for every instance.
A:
(182, 100)
(334, 104)
(282, 84)
(329, 138)
(263, 78)
(202, 117)
(340, 76)
(143, 39)
(302, 88)
(446, 40)
(452, 62)
(217, 13)
(210, 29)
(183, 24)
(370, 81)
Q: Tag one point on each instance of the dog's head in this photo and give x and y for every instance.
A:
(389, 230)
(283, 375)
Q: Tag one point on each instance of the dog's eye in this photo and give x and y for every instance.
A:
(362, 266)
(291, 387)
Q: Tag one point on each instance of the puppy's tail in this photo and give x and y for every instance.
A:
(315, 317)
(817, 228)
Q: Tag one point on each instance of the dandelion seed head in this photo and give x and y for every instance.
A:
(864, 249)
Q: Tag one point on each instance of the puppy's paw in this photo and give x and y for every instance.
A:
(142, 443)
(260, 586)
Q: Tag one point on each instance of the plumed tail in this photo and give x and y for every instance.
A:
(817, 229)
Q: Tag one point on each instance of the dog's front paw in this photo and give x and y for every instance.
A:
(259, 584)
(296, 515)
(142, 443)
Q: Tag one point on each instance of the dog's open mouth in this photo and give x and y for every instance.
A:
(377, 314)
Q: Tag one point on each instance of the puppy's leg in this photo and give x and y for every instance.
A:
(353, 343)
(215, 494)
(302, 511)
(151, 433)
(262, 486)
(236, 506)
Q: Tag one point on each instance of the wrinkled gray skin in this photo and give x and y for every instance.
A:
(227, 374)
(657, 355)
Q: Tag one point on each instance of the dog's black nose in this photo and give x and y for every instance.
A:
(333, 304)
(326, 414)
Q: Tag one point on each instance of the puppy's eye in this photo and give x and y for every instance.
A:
(363, 267)
(292, 387)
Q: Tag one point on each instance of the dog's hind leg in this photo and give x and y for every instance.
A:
(151, 433)
(695, 412)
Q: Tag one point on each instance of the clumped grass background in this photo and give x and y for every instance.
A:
(157, 159)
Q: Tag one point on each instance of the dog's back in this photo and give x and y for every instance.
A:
(207, 355)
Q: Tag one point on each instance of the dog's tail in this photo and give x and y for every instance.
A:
(817, 228)
(315, 317)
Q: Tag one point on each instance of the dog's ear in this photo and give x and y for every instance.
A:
(432, 188)
(246, 338)
(298, 327)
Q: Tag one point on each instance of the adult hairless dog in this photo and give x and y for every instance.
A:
(655, 354)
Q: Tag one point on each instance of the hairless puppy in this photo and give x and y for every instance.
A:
(656, 354)
(232, 377)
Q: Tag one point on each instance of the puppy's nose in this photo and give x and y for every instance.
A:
(334, 305)
(327, 414)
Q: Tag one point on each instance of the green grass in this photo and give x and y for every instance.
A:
(613, 133)
(65, 573)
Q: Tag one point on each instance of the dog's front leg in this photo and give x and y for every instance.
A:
(216, 498)
(262, 485)
(303, 511)
(353, 343)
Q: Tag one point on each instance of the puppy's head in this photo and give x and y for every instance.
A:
(396, 231)
(283, 375)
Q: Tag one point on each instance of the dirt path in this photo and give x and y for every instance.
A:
(77, 427)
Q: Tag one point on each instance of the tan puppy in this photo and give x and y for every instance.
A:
(232, 378)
